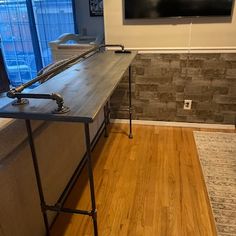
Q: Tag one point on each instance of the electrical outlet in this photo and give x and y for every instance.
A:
(187, 104)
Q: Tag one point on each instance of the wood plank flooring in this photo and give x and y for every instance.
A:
(151, 185)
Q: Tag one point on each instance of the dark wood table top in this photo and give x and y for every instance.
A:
(85, 87)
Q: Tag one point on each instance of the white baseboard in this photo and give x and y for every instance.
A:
(174, 124)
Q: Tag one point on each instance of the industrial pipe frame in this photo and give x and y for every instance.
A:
(21, 99)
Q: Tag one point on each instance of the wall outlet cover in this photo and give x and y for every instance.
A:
(187, 104)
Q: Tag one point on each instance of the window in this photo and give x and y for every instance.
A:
(53, 18)
(26, 27)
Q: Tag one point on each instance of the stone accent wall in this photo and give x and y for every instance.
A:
(161, 83)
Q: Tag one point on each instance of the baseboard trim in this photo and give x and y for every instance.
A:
(175, 124)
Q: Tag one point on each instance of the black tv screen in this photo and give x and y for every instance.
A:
(151, 9)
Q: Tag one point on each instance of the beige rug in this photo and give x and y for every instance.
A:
(217, 154)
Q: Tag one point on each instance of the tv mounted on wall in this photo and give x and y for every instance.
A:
(151, 9)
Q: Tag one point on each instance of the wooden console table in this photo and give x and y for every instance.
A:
(85, 88)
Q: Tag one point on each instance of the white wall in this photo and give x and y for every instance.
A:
(169, 33)
(93, 25)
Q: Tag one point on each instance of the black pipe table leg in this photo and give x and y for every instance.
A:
(37, 175)
(91, 181)
(130, 105)
(108, 112)
(105, 121)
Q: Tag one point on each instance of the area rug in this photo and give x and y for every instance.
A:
(217, 154)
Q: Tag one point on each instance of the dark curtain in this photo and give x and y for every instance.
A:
(4, 82)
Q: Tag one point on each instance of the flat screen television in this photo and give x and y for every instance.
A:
(151, 9)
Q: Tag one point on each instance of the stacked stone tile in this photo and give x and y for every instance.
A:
(161, 83)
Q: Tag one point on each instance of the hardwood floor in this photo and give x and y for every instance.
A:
(151, 185)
